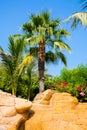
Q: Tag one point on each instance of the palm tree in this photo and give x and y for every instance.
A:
(43, 34)
(12, 60)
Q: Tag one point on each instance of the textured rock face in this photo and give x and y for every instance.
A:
(13, 111)
(49, 111)
(44, 98)
(63, 112)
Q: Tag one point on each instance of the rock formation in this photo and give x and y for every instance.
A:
(57, 111)
(49, 111)
(13, 111)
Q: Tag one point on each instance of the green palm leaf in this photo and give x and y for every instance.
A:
(62, 46)
(80, 17)
(33, 40)
(50, 57)
(61, 57)
(1, 50)
(7, 62)
(27, 61)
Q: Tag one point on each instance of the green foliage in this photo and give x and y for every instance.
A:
(50, 81)
(28, 88)
(76, 75)
(4, 79)
(12, 60)
(74, 82)
(16, 64)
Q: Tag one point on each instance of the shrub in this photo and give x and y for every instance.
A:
(76, 90)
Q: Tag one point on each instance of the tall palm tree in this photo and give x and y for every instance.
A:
(44, 34)
(12, 60)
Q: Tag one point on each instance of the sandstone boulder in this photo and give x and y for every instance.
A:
(13, 111)
(44, 98)
(63, 100)
(63, 112)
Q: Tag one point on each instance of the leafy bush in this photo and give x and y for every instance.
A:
(50, 81)
(74, 82)
(74, 89)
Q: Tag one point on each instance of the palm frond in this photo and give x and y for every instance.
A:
(49, 31)
(80, 17)
(20, 46)
(1, 50)
(61, 57)
(7, 62)
(33, 51)
(55, 57)
(83, 4)
(54, 23)
(28, 60)
(11, 46)
(17, 35)
(45, 16)
(37, 20)
(16, 45)
(62, 45)
(33, 40)
(61, 33)
(50, 57)
(28, 27)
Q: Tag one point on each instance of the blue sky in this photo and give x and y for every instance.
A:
(13, 13)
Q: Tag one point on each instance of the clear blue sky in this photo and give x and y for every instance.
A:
(13, 13)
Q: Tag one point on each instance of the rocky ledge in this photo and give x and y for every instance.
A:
(49, 111)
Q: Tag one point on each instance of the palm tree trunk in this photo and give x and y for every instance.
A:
(28, 95)
(41, 65)
(14, 91)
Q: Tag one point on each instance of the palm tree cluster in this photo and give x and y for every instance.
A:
(42, 41)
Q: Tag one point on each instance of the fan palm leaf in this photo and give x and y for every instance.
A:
(62, 46)
(80, 17)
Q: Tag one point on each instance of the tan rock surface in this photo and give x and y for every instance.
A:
(44, 98)
(64, 112)
(49, 111)
(13, 111)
